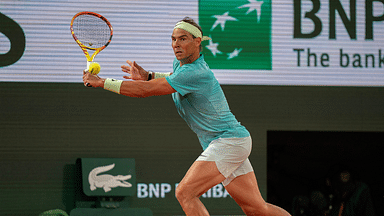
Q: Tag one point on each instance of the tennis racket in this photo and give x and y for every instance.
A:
(92, 32)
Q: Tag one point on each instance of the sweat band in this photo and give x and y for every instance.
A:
(160, 75)
(113, 85)
(191, 29)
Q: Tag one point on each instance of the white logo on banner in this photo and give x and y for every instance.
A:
(107, 182)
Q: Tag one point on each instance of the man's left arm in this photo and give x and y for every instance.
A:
(155, 87)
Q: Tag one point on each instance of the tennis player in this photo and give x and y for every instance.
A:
(200, 101)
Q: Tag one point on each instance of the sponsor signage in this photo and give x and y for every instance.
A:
(108, 176)
(254, 42)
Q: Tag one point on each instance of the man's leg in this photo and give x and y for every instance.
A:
(245, 191)
(201, 176)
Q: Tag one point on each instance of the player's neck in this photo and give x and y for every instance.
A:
(190, 59)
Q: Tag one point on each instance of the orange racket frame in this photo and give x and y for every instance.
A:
(86, 48)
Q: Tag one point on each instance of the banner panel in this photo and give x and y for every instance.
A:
(287, 42)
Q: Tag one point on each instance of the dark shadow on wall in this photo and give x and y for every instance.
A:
(306, 171)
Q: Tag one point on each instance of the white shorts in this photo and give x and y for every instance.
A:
(230, 155)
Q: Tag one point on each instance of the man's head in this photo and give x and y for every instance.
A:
(186, 40)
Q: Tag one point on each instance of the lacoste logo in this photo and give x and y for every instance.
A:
(240, 32)
(107, 182)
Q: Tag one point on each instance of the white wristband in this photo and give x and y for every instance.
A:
(160, 75)
(113, 85)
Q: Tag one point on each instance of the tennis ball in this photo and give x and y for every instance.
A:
(94, 68)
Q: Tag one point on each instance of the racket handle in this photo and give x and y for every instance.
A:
(88, 63)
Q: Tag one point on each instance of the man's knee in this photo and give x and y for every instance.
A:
(182, 193)
(179, 193)
(185, 193)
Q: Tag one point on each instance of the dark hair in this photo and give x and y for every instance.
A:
(192, 22)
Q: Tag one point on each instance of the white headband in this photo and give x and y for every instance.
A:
(191, 29)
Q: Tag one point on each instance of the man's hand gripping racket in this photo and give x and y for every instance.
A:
(91, 31)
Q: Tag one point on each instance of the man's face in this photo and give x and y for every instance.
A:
(185, 46)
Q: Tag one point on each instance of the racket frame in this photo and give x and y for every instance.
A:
(86, 48)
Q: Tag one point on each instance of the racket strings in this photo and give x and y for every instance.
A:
(91, 31)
